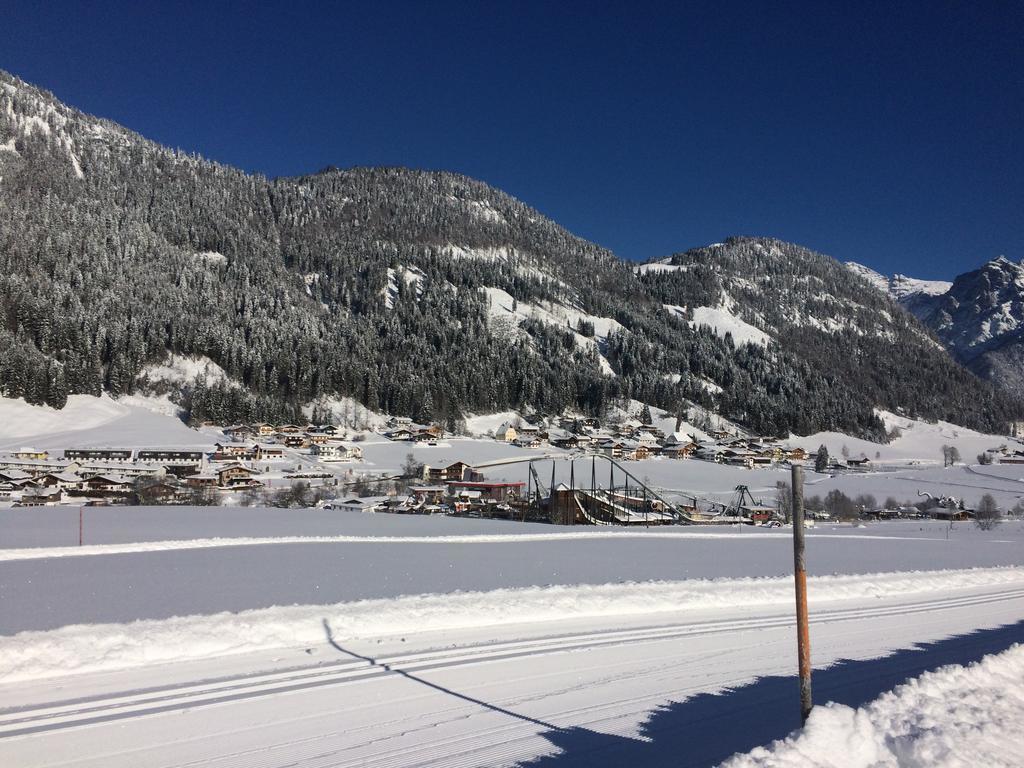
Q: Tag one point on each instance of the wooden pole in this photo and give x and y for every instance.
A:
(80, 526)
(570, 513)
(803, 638)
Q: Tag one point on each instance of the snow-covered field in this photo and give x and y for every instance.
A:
(233, 636)
(227, 636)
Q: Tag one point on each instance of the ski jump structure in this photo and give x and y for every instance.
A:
(584, 500)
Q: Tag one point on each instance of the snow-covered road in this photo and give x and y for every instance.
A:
(598, 690)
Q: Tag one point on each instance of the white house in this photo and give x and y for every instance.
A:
(337, 452)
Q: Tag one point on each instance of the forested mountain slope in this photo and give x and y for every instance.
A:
(842, 336)
(420, 293)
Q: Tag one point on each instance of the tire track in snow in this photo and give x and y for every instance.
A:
(15, 722)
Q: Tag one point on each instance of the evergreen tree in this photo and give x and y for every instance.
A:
(821, 459)
(645, 415)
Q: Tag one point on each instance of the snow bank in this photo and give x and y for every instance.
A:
(600, 533)
(99, 647)
(954, 716)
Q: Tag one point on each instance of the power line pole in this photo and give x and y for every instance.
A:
(803, 639)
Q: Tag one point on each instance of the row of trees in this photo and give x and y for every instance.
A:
(839, 506)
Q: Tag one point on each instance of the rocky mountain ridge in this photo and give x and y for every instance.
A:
(979, 316)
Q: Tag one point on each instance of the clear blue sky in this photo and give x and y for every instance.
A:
(887, 133)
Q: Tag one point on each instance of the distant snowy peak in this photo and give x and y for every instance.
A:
(979, 316)
(880, 281)
(900, 287)
(983, 308)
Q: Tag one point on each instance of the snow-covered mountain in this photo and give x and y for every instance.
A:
(427, 294)
(979, 316)
(981, 319)
(901, 287)
(877, 279)
(808, 313)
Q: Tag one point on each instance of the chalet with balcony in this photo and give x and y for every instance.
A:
(60, 480)
(236, 476)
(456, 471)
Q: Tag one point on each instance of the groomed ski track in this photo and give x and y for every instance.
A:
(484, 696)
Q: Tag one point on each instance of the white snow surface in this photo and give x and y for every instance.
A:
(953, 716)
(880, 281)
(92, 648)
(901, 286)
(86, 421)
(662, 265)
(485, 424)
(183, 369)
(347, 412)
(721, 322)
(505, 309)
(212, 257)
(919, 441)
(327, 637)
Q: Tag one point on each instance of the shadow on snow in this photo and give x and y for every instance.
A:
(708, 728)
